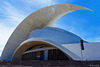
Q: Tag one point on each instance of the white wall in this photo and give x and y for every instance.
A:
(91, 50)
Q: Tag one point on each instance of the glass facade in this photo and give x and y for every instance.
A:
(52, 54)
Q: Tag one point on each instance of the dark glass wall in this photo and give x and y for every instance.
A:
(53, 54)
(38, 55)
(56, 54)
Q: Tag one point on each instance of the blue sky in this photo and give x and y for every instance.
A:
(85, 24)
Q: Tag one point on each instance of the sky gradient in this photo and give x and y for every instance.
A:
(85, 24)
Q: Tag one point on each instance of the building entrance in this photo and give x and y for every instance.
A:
(37, 55)
(51, 54)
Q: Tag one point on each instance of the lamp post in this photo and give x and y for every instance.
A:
(82, 48)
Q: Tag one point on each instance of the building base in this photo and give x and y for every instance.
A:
(54, 63)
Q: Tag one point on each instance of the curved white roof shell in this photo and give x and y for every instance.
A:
(55, 34)
(37, 20)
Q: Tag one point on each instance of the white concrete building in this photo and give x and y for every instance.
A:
(36, 39)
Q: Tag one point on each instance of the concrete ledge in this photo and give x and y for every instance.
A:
(54, 63)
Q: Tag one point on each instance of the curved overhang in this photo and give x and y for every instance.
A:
(39, 19)
(36, 41)
(55, 34)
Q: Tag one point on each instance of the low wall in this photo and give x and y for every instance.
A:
(54, 63)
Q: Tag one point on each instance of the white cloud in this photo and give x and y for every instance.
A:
(11, 14)
(95, 39)
(63, 26)
(11, 18)
(40, 2)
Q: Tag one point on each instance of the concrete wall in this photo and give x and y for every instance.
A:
(91, 50)
(53, 63)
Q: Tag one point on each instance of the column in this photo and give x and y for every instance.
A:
(46, 55)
